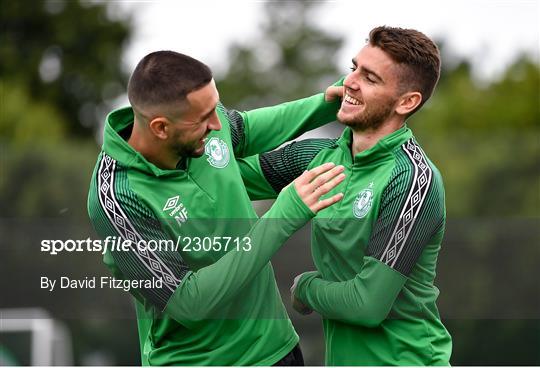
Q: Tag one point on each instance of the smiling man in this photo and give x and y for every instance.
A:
(376, 251)
(168, 171)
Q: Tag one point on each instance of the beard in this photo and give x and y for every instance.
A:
(185, 151)
(371, 118)
(192, 149)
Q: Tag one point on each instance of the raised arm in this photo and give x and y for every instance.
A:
(187, 295)
(264, 129)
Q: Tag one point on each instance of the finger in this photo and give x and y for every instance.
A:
(309, 175)
(332, 93)
(325, 177)
(328, 186)
(320, 205)
(311, 198)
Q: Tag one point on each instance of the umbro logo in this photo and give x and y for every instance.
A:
(179, 211)
(171, 203)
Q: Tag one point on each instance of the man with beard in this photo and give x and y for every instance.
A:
(376, 251)
(168, 172)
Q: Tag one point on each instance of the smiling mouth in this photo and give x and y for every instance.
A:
(202, 142)
(351, 100)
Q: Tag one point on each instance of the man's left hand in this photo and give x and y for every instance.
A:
(333, 92)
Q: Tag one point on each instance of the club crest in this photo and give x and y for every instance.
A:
(362, 203)
(217, 152)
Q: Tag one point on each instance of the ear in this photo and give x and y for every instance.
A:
(408, 102)
(159, 127)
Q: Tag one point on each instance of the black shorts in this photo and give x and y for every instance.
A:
(294, 358)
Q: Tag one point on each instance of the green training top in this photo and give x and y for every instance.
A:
(375, 251)
(218, 303)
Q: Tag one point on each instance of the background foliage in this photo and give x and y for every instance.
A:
(61, 72)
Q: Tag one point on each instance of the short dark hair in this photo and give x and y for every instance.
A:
(418, 56)
(166, 77)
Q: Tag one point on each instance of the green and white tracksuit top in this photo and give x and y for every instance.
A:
(216, 306)
(375, 251)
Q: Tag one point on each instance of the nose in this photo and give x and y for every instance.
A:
(214, 123)
(351, 82)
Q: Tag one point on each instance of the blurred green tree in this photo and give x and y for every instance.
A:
(61, 68)
(485, 139)
(65, 53)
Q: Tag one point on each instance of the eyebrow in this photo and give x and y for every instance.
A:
(367, 70)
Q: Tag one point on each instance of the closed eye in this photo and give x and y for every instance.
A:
(369, 79)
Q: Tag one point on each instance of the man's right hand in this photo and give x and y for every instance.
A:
(297, 304)
(314, 183)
